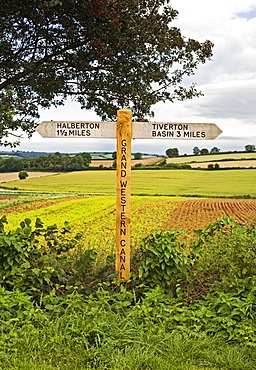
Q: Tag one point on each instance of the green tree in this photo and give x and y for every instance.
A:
(204, 151)
(214, 150)
(196, 150)
(137, 156)
(250, 148)
(87, 158)
(104, 53)
(23, 175)
(172, 152)
(11, 165)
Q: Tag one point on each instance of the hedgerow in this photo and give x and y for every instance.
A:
(199, 289)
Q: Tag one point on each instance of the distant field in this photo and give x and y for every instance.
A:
(212, 157)
(108, 163)
(12, 176)
(227, 164)
(227, 183)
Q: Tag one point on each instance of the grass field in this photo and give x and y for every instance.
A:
(228, 183)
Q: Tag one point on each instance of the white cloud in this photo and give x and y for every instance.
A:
(228, 83)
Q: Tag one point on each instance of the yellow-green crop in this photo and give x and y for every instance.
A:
(226, 183)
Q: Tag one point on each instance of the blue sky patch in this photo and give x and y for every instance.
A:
(248, 15)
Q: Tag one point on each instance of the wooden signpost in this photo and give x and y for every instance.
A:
(124, 130)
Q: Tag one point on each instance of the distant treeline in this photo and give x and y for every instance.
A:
(32, 154)
(28, 154)
(52, 162)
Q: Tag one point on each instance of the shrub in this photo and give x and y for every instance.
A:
(23, 175)
(31, 258)
(166, 259)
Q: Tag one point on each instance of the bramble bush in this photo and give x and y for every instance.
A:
(33, 259)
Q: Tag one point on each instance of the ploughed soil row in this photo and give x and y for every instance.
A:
(193, 214)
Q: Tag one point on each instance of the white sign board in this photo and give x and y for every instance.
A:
(172, 130)
(141, 130)
(77, 129)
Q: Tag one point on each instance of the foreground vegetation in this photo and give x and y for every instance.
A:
(190, 303)
(231, 183)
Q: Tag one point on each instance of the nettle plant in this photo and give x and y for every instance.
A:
(229, 250)
(166, 259)
(31, 258)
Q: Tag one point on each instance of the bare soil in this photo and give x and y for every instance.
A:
(225, 164)
(12, 176)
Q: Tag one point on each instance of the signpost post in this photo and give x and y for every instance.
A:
(124, 130)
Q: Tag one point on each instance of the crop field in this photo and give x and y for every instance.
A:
(227, 164)
(94, 217)
(108, 163)
(229, 183)
(212, 157)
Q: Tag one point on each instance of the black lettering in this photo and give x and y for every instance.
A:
(122, 267)
(123, 184)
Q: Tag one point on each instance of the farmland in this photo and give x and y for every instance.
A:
(95, 216)
(214, 157)
(231, 183)
(64, 310)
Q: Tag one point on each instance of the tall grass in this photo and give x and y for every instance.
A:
(90, 337)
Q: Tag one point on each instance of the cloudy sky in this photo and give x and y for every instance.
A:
(228, 83)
